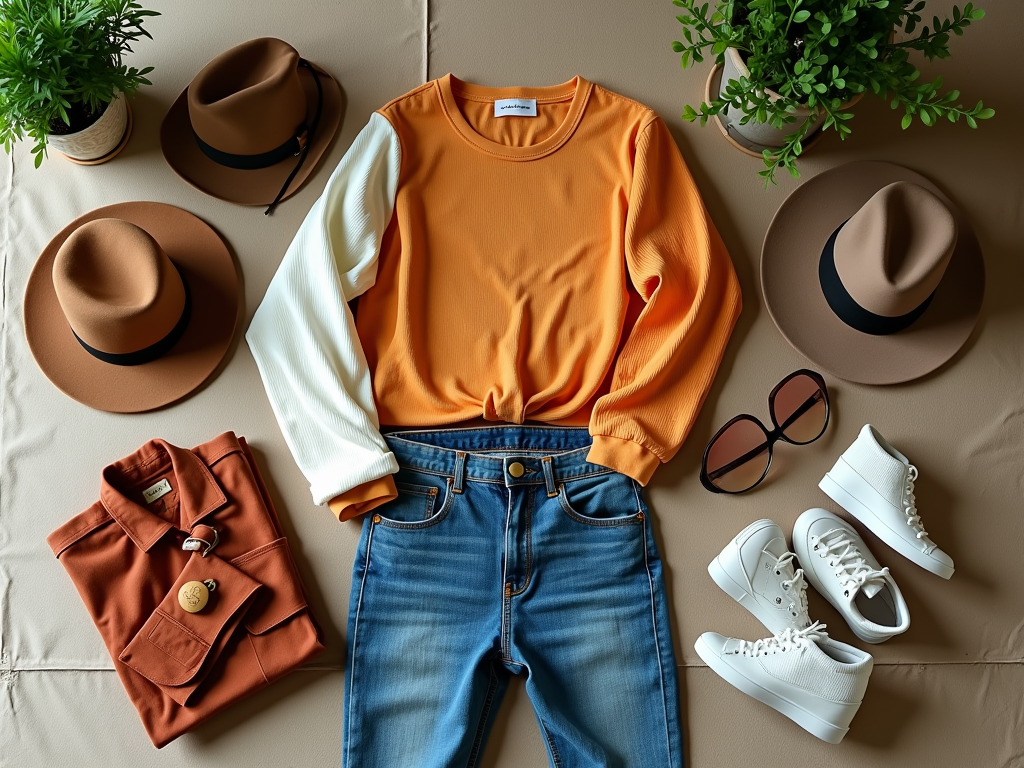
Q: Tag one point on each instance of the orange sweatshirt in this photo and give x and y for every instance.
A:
(493, 235)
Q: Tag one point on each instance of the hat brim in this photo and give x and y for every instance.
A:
(792, 292)
(259, 186)
(206, 264)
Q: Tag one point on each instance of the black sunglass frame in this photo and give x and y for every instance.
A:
(771, 437)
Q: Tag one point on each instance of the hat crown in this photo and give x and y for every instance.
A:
(118, 289)
(892, 253)
(249, 99)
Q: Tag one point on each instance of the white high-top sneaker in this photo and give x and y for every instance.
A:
(815, 681)
(875, 483)
(756, 570)
(838, 564)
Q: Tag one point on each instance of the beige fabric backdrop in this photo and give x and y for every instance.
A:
(945, 694)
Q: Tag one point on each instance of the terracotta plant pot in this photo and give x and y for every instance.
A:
(756, 135)
(102, 140)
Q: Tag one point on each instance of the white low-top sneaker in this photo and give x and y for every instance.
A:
(875, 483)
(816, 682)
(838, 564)
(756, 570)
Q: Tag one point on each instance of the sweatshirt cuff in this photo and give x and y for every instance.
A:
(624, 456)
(363, 498)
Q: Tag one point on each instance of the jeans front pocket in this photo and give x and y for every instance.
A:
(607, 499)
(420, 504)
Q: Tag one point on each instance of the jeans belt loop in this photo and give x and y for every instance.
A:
(549, 477)
(460, 471)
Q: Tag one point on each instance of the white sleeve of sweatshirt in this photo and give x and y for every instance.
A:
(303, 335)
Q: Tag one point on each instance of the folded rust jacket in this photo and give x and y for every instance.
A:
(125, 555)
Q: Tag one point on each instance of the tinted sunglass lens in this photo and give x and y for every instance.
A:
(738, 457)
(800, 409)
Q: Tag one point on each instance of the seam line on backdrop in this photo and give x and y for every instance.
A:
(6, 370)
(328, 668)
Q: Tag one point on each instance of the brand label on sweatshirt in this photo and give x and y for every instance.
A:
(521, 107)
(156, 490)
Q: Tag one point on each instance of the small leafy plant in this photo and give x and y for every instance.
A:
(820, 54)
(61, 62)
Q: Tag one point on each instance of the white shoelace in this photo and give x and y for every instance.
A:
(787, 640)
(910, 507)
(796, 586)
(853, 570)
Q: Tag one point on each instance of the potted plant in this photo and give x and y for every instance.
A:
(793, 67)
(63, 80)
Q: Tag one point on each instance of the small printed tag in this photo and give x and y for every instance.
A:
(521, 107)
(156, 490)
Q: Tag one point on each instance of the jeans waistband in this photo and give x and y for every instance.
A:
(545, 455)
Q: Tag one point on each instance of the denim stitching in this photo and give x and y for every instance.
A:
(657, 644)
(506, 602)
(492, 689)
(614, 522)
(501, 481)
(352, 647)
(529, 547)
(430, 522)
(556, 759)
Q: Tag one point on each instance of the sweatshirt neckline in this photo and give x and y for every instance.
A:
(576, 89)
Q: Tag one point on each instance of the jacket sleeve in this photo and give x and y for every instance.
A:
(303, 335)
(679, 265)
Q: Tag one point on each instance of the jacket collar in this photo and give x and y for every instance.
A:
(198, 491)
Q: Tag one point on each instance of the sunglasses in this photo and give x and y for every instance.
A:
(740, 453)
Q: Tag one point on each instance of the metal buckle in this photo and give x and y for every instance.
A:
(194, 543)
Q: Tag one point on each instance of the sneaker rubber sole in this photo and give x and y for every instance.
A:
(830, 732)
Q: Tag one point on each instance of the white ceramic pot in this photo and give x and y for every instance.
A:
(99, 139)
(765, 134)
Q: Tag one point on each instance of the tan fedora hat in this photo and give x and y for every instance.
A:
(132, 306)
(253, 124)
(872, 273)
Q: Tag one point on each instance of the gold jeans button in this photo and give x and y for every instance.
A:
(516, 469)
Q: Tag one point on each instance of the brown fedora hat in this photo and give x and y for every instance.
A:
(872, 273)
(253, 124)
(131, 306)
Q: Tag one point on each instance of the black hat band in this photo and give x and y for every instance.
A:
(154, 350)
(846, 307)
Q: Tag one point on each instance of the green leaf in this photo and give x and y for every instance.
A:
(907, 120)
(677, 46)
(970, 121)
(985, 114)
(926, 117)
(801, 16)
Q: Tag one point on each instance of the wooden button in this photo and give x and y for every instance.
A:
(516, 469)
(193, 596)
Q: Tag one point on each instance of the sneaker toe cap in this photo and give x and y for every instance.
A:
(715, 642)
(942, 559)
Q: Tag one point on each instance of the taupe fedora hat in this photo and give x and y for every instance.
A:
(131, 306)
(253, 124)
(872, 273)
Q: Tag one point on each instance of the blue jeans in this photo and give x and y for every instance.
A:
(507, 553)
